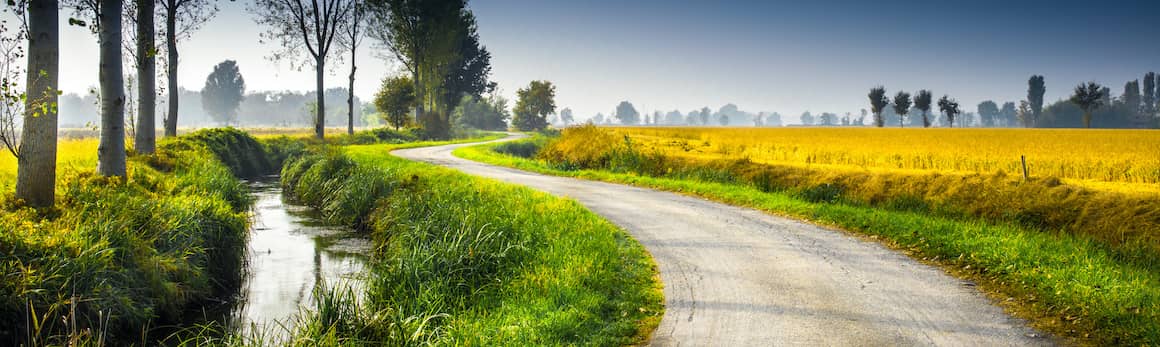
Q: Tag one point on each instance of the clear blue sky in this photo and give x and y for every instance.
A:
(785, 56)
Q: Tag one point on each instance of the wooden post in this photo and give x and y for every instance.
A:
(1023, 158)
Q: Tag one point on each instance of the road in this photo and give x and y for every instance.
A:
(738, 277)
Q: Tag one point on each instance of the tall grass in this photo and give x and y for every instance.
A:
(117, 256)
(463, 260)
(1071, 284)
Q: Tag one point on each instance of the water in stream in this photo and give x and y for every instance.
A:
(291, 251)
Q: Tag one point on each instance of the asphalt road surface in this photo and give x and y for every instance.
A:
(739, 277)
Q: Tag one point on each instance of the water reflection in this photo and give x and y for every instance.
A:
(291, 251)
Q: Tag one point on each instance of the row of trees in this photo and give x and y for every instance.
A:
(1089, 102)
(435, 39)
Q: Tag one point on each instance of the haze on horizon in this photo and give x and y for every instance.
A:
(764, 56)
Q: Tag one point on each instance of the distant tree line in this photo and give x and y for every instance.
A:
(1090, 105)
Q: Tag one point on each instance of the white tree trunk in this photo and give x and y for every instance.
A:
(147, 79)
(36, 167)
(111, 152)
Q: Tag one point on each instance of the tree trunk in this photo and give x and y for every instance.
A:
(147, 79)
(111, 152)
(418, 97)
(36, 166)
(320, 109)
(1087, 119)
(171, 49)
(350, 95)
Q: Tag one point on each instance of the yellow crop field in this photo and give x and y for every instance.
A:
(71, 155)
(1095, 158)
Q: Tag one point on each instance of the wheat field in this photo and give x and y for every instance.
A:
(1126, 160)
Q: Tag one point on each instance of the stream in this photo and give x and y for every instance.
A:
(291, 251)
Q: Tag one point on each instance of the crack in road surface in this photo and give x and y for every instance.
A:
(739, 277)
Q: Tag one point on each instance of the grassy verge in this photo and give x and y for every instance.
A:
(1070, 285)
(116, 257)
(471, 261)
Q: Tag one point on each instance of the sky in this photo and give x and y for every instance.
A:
(764, 56)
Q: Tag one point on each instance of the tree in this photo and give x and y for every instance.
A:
(1007, 114)
(395, 99)
(36, 150)
(950, 108)
(1024, 114)
(1089, 97)
(878, 103)
(437, 41)
(705, 113)
(987, 111)
(627, 114)
(1130, 101)
(566, 116)
(807, 118)
(922, 102)
(901, 106)
(1149, 99)
(352, 35)
(182, 18)
(223, 92)
(533, 105)
(488, 113)
(1035, 91)
(597, 119)
(723, 119)
(145, 137)
(294, 25)
(111, 150)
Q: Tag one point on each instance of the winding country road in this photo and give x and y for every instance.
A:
(739, 277)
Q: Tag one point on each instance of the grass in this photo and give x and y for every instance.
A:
(470, 261)
(117, 256)
(1072, 285)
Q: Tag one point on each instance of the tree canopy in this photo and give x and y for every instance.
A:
(878, 104)
(395, 99)
(627, 114)
(223, 92)
(534, 104)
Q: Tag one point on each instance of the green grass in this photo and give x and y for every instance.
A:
(1074, 287)
(117, 257)
(470, 261)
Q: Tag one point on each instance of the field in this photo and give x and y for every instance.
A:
(1076, 258)
(1120, 159)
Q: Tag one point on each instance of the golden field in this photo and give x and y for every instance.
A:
(1102, 159)
(73, 155)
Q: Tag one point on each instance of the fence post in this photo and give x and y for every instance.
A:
(1023, 159)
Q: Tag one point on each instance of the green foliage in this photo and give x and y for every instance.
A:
(439, 43)
(123, 254)
(1035, 90)
(949, 108)
(395, 99)
(533, 105)
(1088, 97)
(223, 92)
(922, 102)
(878, 104)
(464, 260)
(628, 115)
(489, 113)
(901, 106)
(240, 152)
